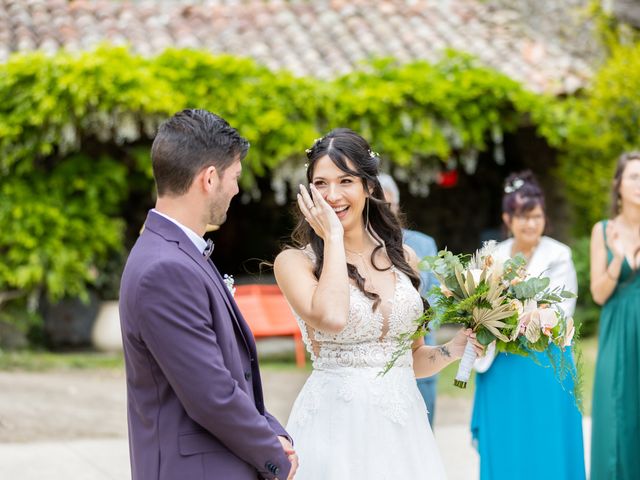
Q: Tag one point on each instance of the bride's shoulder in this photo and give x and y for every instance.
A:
(296, 256)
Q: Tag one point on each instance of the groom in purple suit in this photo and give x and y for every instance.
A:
(195, 403)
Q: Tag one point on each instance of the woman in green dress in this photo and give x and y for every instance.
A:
(615, 284)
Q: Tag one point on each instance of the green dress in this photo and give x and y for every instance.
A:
(615, 438)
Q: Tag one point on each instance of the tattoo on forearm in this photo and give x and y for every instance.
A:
(441, 351)
(444, 351)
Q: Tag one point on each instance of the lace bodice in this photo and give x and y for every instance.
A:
(369, 338)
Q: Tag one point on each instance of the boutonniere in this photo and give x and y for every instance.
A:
(229, 281)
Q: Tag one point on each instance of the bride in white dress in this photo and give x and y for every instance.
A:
(352, 286)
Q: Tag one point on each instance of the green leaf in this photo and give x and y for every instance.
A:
(484, 336)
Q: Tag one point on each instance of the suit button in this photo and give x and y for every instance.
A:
(272, 468)
(247, 375)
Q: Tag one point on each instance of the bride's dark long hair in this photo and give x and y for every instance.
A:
(342, 145)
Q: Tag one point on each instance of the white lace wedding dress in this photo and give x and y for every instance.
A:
(349, 422)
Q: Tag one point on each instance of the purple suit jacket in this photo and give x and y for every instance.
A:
(194, 395)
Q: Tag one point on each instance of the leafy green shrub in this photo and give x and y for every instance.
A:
(75, 127)
(57, 228)
(595, 130)
(19, 326)
(75, 132)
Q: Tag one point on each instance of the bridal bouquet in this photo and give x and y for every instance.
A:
(498, 301)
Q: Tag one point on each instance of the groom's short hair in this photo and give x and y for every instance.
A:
(189, 141)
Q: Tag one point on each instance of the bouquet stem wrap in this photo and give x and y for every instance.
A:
(466, 364)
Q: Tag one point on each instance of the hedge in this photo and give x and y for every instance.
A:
(75, 131)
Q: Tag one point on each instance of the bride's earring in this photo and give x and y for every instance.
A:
(366, 224)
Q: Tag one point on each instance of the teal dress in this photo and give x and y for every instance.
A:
(525, 423)
(615, 441)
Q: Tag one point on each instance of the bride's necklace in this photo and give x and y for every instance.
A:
(361, 255)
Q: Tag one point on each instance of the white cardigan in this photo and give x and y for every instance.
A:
(550, 259)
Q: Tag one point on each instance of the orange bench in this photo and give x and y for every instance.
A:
(268, 314)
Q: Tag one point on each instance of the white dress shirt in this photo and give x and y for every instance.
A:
(197, 240)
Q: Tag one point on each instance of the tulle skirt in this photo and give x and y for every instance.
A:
(353, 424)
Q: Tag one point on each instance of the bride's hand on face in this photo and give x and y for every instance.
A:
(319, 214)
(459, 342)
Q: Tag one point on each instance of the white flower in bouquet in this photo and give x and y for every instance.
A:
(529, 305)
(548, 320)
(535, 321)
(570, 331)
(484, 257)
(524, 309)
(517, 306)
(487, 260)
(476, 273)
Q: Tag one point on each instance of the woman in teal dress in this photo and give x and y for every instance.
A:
(525, 423)
(615, 284)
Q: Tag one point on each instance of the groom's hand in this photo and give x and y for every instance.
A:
(291, 453)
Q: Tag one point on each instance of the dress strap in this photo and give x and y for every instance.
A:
(310, 254)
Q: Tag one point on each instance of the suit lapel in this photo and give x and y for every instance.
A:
(172, 233)
(210, 269)
(240, 321)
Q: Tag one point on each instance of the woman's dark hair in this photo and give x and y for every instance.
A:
(522, 193)
(616, 204)
(343, 145)
(623, 160)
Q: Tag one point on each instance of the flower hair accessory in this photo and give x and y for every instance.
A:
(514, 186)
(373, 154)
(315, 142)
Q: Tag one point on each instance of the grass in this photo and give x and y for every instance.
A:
(30, 360)
(589, 347)
(35, 360)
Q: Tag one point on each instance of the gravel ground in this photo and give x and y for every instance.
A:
(80, 404)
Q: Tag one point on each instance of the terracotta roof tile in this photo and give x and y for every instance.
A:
(323, 38)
